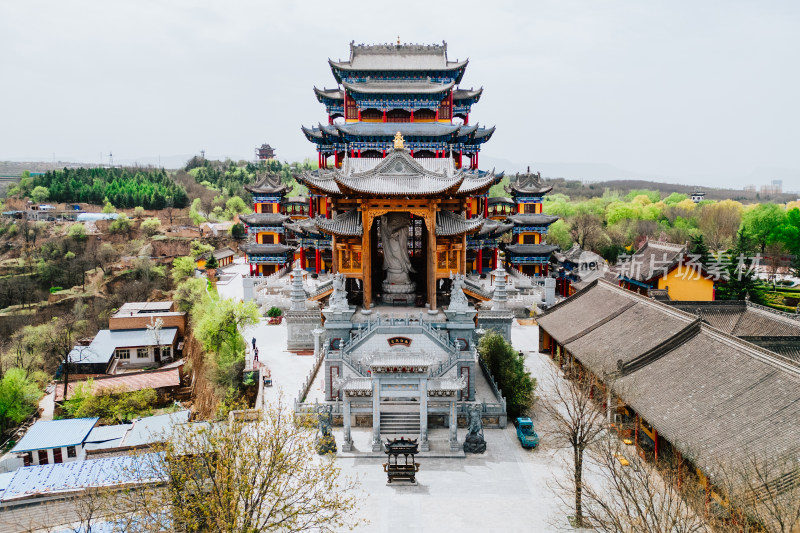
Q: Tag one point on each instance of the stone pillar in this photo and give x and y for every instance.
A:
(376, 415)
(423, 415)
(366, 262)
(454, 447)
(432, 265)
(317, 334)
(347, 443)
(549, 291)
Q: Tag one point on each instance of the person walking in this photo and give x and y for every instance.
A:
(255, 357)
(254, 343)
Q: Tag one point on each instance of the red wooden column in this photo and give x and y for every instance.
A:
(466, 120)
(359, 114)
(251, 269)
(460, 157)
(330, 119)
(412, 115)
(302, 258)
(384, 115)
(311, 207)
(480, 260)
(476, 160)
(494, 259)
(486, 207)
(317, 259)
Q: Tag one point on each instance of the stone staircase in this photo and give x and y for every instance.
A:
(406, 424)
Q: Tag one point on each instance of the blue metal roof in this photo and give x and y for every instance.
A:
(106, 433)
(153, 428)
(31, 481)
(46, 434)
(101, 350)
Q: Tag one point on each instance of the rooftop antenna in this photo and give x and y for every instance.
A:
(203, 154)
(110, 159)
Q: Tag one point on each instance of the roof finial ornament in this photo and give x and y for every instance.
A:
(398, 40)
(398, 141)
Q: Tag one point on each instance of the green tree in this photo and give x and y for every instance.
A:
(237, 231)
(39, 194)
(182, 268)
(111, 406)
(19, 397)
(108, 207)
(198, 249)
(138, 212)
(508, 369)
(762, 223)
(211, 262)
(235, 206)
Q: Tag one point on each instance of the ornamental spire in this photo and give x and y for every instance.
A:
(398, 141)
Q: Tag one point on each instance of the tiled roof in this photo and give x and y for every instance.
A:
(531, 219)
(531, 249)
(149, 379)
(744, 319)
(46, 434)
(607, 324)
(333, 94)
(493, 227)
(346, 224)
(265, 249)
(651, 260)
(401, 359)
(463, 94)
(46, 480)
(501, 200)
(302, 226)
(528, 184)
(264, 219)
(398, 87)
(101, 350)
(223, 253)
(719, 400)
(269, 184)
(358, 384)
(447, 384)
(397, 57)
(449, 223)
(716, 398)
(146, 308)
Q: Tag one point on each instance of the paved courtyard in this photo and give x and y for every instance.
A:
(507, 489)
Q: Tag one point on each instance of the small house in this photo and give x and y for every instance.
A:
(114, 350)
(54, 441)
(224, 257)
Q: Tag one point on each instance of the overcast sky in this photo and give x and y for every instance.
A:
(694, 91)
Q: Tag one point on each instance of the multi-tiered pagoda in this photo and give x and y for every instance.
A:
(398, 176)
(385, 89)
(529, 252)
(266, 248)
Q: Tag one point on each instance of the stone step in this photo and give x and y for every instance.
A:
(396, 423)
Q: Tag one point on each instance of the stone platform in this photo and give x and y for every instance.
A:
(362, 444)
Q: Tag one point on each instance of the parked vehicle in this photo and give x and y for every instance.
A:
(525, 432)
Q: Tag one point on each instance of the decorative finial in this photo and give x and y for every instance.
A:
(398, 141)
(398, 40)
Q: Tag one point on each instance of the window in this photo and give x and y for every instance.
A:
(27, 459)
(122, 353)
(57, 455)
(142, 353)
(43, 457)
(166, 351)
(71, 452)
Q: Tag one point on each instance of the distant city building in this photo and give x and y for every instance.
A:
(749, 188)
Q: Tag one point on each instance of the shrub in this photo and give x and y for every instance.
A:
(19, 397)
(274, 312)
(508, 369)
(237, 231)
(151, 226)
(138, 212)
(112, 406)
(77, 231)
(54, 290)
(121, 225)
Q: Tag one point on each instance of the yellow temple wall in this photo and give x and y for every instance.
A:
(682, 285)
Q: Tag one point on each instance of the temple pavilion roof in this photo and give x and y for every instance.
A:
(343, 225)
(467, 94)
(303, 226)
(265, 249)
(532, 219)
(528, 184)
(493, 228)
(398, 57)
(398, 87)
(268, 184)
(449, 224)
(332, 94)
(531, 249)
(264, 219)
(398, 174)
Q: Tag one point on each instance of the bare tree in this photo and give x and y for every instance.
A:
(628, 494)
(586, 229)
(579, 422)
(764, 493)
(258, 472)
